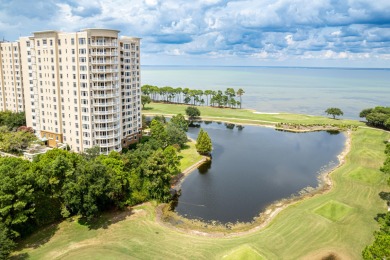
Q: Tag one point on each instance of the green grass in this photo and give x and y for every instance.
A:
(243, 252)
(245, 116)
(189, 156)
(296, 232)
(333, 210)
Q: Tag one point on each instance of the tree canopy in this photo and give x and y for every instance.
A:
(61, 184)
(334, 111)
(192, 112)
(12, 120)
(203, 143)
(377, 117)
(145, 100)
(194, 97)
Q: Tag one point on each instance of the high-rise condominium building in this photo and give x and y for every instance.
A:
(80, 88)
(11, 88)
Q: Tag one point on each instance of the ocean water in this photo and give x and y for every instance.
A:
(284, 89)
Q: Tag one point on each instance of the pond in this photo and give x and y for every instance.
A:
(252, 167)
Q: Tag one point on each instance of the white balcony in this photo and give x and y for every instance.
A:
(104, 78)
(114, 62)
(108, 53)
(104, 70)
(109, 120)
(106, 128)
(105, 137)
(110, 95)
(110, 112)
(104, 104)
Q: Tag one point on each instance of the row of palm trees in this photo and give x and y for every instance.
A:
(194, 96)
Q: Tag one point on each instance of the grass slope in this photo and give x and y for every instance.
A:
(295, 233)
(189, 156)
(245, 116)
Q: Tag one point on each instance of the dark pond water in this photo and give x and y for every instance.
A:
(253, 167)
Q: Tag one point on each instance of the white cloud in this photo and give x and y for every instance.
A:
(267, 29)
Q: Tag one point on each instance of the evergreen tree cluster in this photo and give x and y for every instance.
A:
(195, 97)
(61, 184)
(377, 116)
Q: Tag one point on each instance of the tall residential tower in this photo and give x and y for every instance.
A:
(82, 88)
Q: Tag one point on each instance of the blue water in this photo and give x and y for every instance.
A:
(251, 168)
(279, 89)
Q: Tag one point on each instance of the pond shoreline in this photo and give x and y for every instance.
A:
(172, 220)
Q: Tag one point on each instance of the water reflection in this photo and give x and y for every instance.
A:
(203, 169)
(253, 167)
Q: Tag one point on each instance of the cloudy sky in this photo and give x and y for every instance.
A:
(352, 33)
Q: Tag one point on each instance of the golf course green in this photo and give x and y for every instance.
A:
(338, 223)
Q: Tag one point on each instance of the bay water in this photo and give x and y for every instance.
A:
(284, 89)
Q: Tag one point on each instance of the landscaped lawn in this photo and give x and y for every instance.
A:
(340, 221)
(245, 116)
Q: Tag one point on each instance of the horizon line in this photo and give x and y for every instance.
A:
(265, 66)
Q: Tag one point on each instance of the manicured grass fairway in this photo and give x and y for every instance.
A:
(296, 232)
(245, 116)
(189, 156)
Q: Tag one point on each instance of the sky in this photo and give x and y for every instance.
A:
(320, 33)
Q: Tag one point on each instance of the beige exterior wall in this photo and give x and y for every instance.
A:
(11, 87)
(82, 88)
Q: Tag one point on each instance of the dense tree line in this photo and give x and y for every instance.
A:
(377, 117)
(61, 184)
(193, 97)
(14, 135)
(12, 120)
(380, 248)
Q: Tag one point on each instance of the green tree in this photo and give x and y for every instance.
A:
(86, 191)
(203, 144)
(119, 179)
(240, 92)
(12, 120)
(6, 243)
(16, 141)
(145, 100)
(158, 171)
(380, 248)
(365, 112)
(158, 133)
(208, 94)
(192, 113)
(180, 121)
(334, 112)
(16, 193)
(91, 153)
(175, 135)
(377, 117)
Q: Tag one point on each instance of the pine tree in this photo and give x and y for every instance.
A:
(203, 143)
(201, 132)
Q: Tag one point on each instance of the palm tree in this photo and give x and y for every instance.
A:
(208, 93)
(240, 92)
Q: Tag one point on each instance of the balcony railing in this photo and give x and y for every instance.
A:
(115, 62)
(109, 120)
(106, 128)
(104, 70)
(104, 78)
(109, 53)
(104, 44)
(104, 104)
(110, 95)
(103, 137)
(110, 112)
